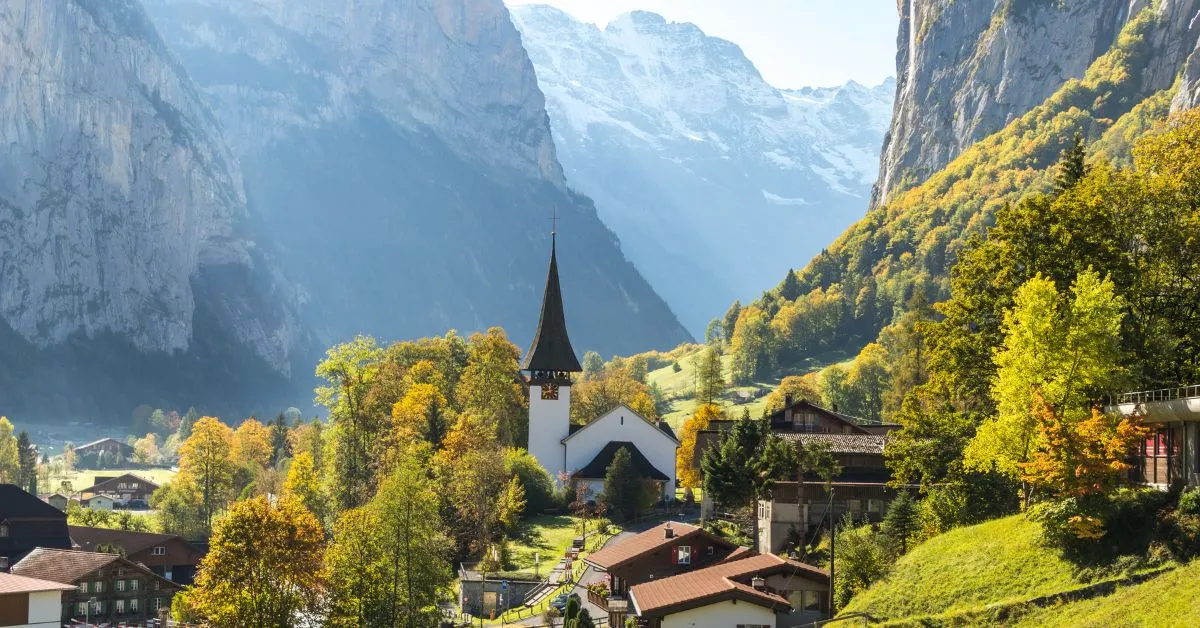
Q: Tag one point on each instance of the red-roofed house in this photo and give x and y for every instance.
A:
(762, 590)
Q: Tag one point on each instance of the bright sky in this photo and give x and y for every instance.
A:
(794, 43)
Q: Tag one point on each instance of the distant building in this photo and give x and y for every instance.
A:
(103, 453)
(98, 502)
(123, 489)
(166, 555)
(27, 522)
(58, 501)
(106, 588)
(30, 601)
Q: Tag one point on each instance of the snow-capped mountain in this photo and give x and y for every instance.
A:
(715, 181)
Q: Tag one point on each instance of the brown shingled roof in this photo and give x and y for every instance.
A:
(648, 541)
(842, 443)
(65, 566)
(88, 539)
(718, 583)
(12, 583)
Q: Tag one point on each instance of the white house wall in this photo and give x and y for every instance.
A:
(623, 424)
(45, 608)
(721, 614)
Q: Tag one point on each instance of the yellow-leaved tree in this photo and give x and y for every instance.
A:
(264, 567)
(685, 462)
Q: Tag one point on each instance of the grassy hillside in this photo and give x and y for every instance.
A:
(997, 561)
(1170, 600)
(997, 573)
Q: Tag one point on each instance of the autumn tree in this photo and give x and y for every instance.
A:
(593, 397)
(1061, 350)
(205, 463)
(420, 415)
(390, 560)
(304, 484)
(490, 387)
(685, 460)
(10, 465)
(796, 387)
(593, 364)
(263, 567)
(729, 321)
(350, 370)
(145, 449)
(868, 381)
(1081, 453)
(751, 345)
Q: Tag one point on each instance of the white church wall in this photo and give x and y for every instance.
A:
(623, 424)
(549, 423)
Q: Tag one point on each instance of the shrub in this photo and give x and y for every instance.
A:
(1189, 502)
(862, 558)
(1095, 529)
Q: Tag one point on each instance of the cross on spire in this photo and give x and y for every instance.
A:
(554, 221)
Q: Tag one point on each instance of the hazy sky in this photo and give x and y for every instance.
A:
(794, 43)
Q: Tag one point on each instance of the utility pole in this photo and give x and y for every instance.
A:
(832, 554)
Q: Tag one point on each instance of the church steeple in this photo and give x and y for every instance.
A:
(551, 357)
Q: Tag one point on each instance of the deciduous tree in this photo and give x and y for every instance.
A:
(264, 567)
(490, 388)
(205, 463)
(685, 457)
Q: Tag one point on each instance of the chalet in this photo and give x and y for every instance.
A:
(665, 550)
(167, 555)
(30, 601)
(795, 507)
(106, 452)
(1171, 452)
(105, 588)
(754, 590)
(27, 522)
(124, 489)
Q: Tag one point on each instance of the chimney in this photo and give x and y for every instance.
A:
(758, 583)
(787, 408)
(668, 532)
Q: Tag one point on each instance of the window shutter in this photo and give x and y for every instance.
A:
(674, 555)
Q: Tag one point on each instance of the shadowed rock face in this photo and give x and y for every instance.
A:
(401, 155)
(120, 205)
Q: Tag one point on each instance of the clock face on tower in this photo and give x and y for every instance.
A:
(550, 391)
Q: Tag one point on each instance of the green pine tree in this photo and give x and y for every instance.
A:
(790, 288)
(1071, 166)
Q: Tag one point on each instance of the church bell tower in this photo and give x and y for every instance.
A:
(549, 365)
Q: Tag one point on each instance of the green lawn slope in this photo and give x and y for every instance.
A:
(995, 562)
(1167, 601)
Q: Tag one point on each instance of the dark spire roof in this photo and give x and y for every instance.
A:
(551, 350)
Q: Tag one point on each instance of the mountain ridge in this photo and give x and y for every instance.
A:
(688, 152)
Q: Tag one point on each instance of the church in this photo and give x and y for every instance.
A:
(584, 452)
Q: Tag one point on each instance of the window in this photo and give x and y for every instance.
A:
(854, 505)
(82, 608)
(133, 584)
(157, 603)
(4, 530)
(683, 555)
(83, 587)
(3, 563)
(98, 607)
(120, 585)
(762, 510)
(120, 607)
(872, 505)
(99, 587)
(812, 600)
(159, 551)
(121, 486)
(133, 604)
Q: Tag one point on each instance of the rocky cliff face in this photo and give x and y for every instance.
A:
(691, 156)
(401, 153)
(123, 220)
(964, 69)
